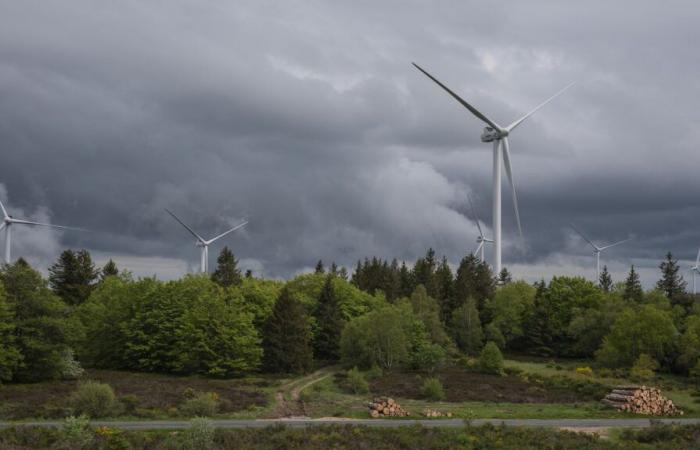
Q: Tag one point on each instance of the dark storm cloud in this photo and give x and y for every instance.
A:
(308, 118)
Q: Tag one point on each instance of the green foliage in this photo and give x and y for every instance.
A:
(357, 383)
(287, 337)
(508, 309)
(76, 433)
(647, 330)
(42, 329)
(504, 277)
(633, 287)
(605, 280)
(643, 369)
(689, 344)
(94, 399)
(491, 359)
(671, 282)
(204, 404)
(72, 277)
(199, 436)
(474, 280)
(109, 270)
(432, 389)
(227, 272)
(427, 310)
(10, 356)
(330, 324)
(493, 333)
(466, 328)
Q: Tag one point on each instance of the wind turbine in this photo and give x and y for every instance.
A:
(203, 243)
(597, 250)
(481, 239)
(8, 222)
(695, 269)
(501, 156)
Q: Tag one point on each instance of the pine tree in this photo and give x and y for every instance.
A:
(334, 269)
(319, 267)
(72, 277)
(330, 324)
(249, 273)
(633, 287)
(424, 272)
(406, 283)
(671, 282)
(504, 277)
(605, 280)
(444, 281)
(343, 273)
(227, 272)
(287, 337)
(109, 270)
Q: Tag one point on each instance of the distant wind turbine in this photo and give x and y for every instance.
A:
(9, 222)
(481, 239)
(597, 250)
(501, 156)
(203, 243)
(695, 269)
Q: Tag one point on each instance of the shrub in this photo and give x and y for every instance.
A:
(202, 405)
(491, 360)
(587, 371)
(75, 433)
(432, 389)
(199, 436)
(374, 372)
(94, 399)
(130, 402)
(643, 368)
(357, 382)
(70, 368)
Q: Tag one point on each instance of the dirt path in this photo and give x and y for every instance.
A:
(292, 389)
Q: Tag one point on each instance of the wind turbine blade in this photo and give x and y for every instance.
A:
(478, 225)
(199, 238)
(584, 236)
(2, 225)
(29, 222)
(474, 111)
(4, 211)
(616, 243)
(697, 260)
(227, 232)
(478, 248)
(509, 172)
(512, 126)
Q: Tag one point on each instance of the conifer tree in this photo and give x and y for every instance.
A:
(504, 277)
(249, 273)
(109, 270)
(330, 323)
(671, 282)
(424, 272)
(287, 337)
(343, 273)
(319, 267)
(334, 269)
(605, 280)
(444, 281)
(406, 283)
(227, 272)
(72, 277)
(633, 287)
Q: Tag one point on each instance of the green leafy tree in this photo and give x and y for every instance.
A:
(287, 337)
(491, 359)
(647, 330)
(72, 277)
(671, 282)
(10, 356)
(689, 344)
(466, 328)
(605, 280)
(633, 287)
(109, 270)
(329, 319)
(227, 272)
(42, 329)
(508, 310)
(427, 310)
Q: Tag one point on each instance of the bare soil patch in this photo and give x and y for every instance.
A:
(153, 392)
(464, 386)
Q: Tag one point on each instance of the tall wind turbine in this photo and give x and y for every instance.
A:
(8, 222)
(501, 156)
(481, 239)
(695, 269)
(597, 250)
(203, 243)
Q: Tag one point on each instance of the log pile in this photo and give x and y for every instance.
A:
(386, 407)
(435, 413)
(641, 400)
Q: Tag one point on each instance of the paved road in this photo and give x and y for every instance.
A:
(302, 423)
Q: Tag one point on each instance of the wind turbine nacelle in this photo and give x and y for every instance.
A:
(490, 135)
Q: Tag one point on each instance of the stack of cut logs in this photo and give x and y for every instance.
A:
(385, 406)
(641, 400)
(435, 413)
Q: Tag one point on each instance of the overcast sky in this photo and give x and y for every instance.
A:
(308, 119)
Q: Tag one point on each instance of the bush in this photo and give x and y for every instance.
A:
(199, 436)
(202, 405)
(587, 371)
(432, 389)
(130, 402)
(75, 433)
(491, 360)
(374, 372)
(94, 399)
(357, 382)
(643, 368)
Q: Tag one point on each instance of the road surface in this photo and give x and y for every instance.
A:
(305, 422)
